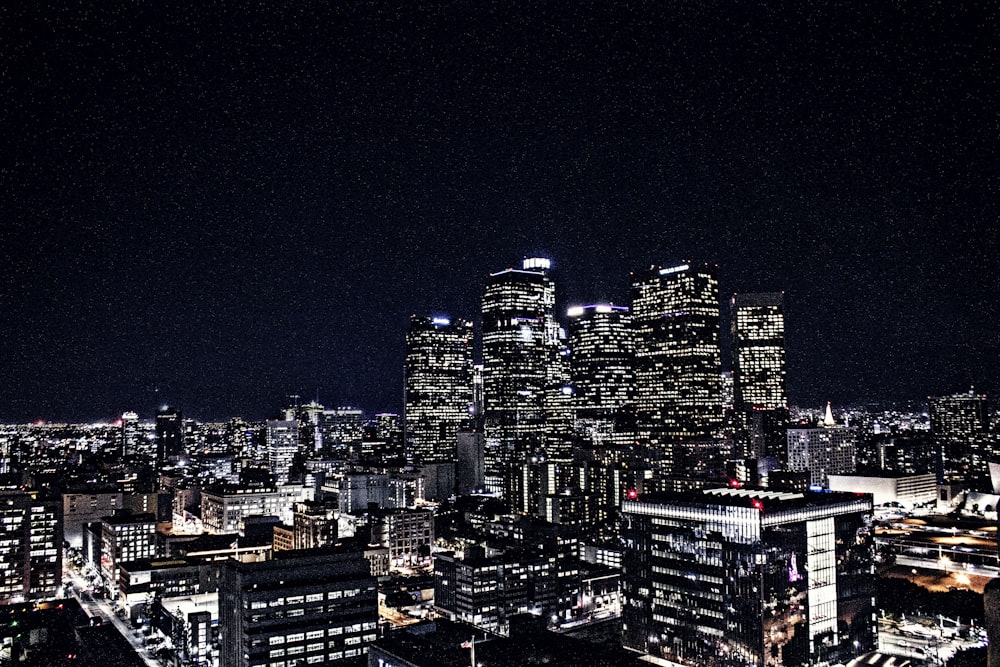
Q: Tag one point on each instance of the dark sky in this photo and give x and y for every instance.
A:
(216, 206)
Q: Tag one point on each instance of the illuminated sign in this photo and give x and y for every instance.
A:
(674, 269)
(536, 263)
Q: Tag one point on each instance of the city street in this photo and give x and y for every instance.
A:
(102, 609)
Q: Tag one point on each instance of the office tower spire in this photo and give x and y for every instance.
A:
(438, 386)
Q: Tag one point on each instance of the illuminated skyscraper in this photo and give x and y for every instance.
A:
(678, 384)
(601, 357)
(758, 338)
(960, 425)
(437, 386)
(524, 369)
(131, 435)
(31, 539)
(282, 439)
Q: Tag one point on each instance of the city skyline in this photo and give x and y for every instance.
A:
(214, 210)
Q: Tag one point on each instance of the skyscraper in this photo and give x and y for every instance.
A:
(130, 434)
(758, 338)
(524, 369)
(740, 577)
(960, 425)
(282, 439)
(678, 385)
(437, 386)
(169, 436)
(602, 354)
(31, 539)
(823, 450)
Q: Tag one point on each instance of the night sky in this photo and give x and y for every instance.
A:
(214, 207)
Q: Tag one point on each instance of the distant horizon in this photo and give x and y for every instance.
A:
(151, 417)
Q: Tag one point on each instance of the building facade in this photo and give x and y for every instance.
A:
(960, 425)
(760, 403)
(30, 547)
(678, 385)
(824, 450)
(302, 608)
(524, 370)
(282, 438)
(737, 577)
(169, 436)
(437, 386)
(602, 355)
(224, 508)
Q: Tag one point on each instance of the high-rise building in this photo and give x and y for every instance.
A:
(525, 374)
(437, 386)
(469, 466)
(675, 316)
(757, 323)
(282, 446)
(740, 577)
(304, 607)
(343, 430)
(960, 424)
(125, 537)
(823, 450)
(169, 436)
(131, 435)
(31, 540)
(601, 358)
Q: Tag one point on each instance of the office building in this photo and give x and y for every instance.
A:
(469, 466)
(437, 386)
(282, 438)
(125, 537)
(131, 434)
(601, 359)
(30, 547)
(407, 533)
(225, 508)
(740, 577)
(169, 436)
(759, 400)
(675, 318)
(960, 425)
(524, 370)
(83, 508)
(316, 606)
(823, 450)
(315, 524)
(343, 430)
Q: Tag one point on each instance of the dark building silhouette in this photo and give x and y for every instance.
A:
(169, 436)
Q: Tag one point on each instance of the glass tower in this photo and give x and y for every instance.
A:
(526, 401)
(740, 577)
(758, 338)
(678, 383)
(601, 357)
(438, 386)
